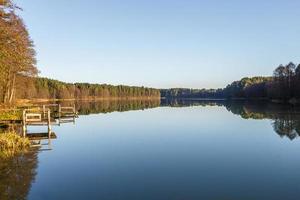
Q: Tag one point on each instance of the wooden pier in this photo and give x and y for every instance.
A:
(47, 115)
(35, 118)
(59, 109)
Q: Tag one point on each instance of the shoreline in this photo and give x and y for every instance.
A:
(24, 102)
(20, 101)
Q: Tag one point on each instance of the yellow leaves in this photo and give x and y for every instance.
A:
(16, 50)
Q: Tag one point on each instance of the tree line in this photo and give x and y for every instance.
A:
(44, 88)
(192, 93)
(284, 85)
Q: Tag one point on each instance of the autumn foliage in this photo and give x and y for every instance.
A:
(17, 55)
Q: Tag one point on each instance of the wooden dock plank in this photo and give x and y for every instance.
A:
(41, 136)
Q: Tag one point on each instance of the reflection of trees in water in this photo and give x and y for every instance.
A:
(288, 126)
(286, 118)
(85, 108)
(249, 110)
(173, 102)
(17, 175)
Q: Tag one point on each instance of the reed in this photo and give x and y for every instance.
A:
(12, 144)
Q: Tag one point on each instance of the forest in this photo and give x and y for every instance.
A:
(44, 88)
(283, 86)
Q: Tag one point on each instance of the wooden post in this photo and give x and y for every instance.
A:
(24, 123)
(49, 143)
(49, 122)
(44, 111)
(59, 111)
(49, 134)
(74, 110)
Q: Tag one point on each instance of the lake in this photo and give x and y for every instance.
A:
(173, 149)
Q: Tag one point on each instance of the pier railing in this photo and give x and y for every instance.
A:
(32, 117)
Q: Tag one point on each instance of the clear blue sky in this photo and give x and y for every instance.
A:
(162, 43)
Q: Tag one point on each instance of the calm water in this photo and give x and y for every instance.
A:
(179, 150)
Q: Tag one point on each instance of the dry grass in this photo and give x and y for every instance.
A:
(12, 144)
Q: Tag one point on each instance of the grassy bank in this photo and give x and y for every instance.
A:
(7, 115)
(12, 144)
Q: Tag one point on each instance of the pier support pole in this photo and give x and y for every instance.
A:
(49, 123)
(24, 123)
(59, 113)
(44, 111)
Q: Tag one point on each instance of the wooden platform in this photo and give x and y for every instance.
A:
(41, 123)
(41, 136)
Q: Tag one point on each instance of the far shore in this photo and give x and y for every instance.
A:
(20, 101)
(25, 101)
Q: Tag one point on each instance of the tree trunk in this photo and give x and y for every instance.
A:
(7, 90)
(12, 93)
